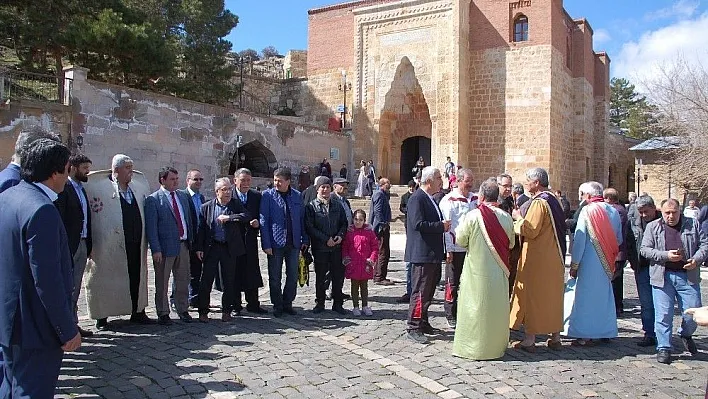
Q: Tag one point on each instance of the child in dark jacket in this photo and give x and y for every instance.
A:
(359, 254)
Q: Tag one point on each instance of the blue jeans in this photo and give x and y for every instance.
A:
(282, 298)
(408, 278)
(676, 288)
(646, 301)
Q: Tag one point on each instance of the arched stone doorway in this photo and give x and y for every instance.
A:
(405, 115)
(411, 149)
(256, 157)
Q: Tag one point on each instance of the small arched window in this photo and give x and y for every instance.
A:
(521, 29)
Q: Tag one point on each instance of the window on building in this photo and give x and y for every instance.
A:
(521, 29)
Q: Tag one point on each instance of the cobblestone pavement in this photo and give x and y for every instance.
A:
(332, 356)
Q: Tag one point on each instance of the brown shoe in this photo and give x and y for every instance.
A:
(554, 345)
(225, 317)
(528, 348)
(204, 318)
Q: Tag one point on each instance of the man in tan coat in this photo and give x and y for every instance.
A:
(537, 299)
(116, 278)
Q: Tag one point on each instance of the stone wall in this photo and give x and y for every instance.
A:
(279, 95)
(295, 64)
(157, 130)
(24, 113)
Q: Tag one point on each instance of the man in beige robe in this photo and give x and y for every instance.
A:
(116, 276)
(537, 300)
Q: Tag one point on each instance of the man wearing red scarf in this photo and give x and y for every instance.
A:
(589, 304)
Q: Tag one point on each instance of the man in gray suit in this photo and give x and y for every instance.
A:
(170, 230)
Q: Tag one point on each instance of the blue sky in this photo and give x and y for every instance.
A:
(636, 33)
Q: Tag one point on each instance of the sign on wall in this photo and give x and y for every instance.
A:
(334, 153)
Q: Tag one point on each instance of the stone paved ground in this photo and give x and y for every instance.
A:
(327, 355)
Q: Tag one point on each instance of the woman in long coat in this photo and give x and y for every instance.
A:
(363, 187)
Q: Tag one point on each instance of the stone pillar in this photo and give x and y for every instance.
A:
(74, 79)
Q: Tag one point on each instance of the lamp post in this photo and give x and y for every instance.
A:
(639, 174)
(343, 87)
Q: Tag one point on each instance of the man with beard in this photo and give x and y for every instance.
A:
(248, 270)
(73, 207)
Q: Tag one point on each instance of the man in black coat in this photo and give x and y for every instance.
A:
(73, 206)
(380, 221)
(219, 244)
(248, 269)
(326, 224)
(425, 250)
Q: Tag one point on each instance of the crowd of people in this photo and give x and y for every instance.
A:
(503, 255)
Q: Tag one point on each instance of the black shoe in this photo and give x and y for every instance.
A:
(164, 320)
(141, 318)
(690, 345)
(430, 330)
(85, 333)
(277, 313)
(185, 317)
(102, 324)
(346, 297)
(663, 356)
(417, 337)
(290, 311)
(318, 309)
(339, 309)
(257, 310)
(405, 298)
(647, 341)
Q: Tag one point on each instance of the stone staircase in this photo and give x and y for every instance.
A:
(397, 225)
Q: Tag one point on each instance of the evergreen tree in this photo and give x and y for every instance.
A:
(631, 111)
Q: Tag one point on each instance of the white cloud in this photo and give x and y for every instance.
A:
(639, 60)
(601, 36)
(681, 9)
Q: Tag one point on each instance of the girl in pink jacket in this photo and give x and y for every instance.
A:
(359, 253)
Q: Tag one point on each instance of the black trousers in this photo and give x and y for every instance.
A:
(381, 269)
(218, 261)
(329, 262)
(195, 272)
(132, 252)
(424, 277)
(618, 284)
(453, 271)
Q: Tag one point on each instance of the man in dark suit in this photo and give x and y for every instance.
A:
(10, 176)
(170, 231)
(73, 206)
(36, 322)
(248, 269)
(425, 250)
(380, 219)
(519, 197)
(194, 184)
(219, 244)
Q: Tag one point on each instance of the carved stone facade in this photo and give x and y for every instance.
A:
(448, 75)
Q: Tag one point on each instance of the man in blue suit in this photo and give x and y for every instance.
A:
(380, 219)
(282, 238)
(10, 176)
(170, 228)
(37, 321)
(194, 184)
(425, 250)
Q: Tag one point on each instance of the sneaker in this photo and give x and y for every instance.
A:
(417, 337)
(690, 345)
(367, 311)
(663, 356)
(647, 341)
(356, 312)
(451, 322)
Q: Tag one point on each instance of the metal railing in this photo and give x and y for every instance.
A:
(253, 104)
(16, 85)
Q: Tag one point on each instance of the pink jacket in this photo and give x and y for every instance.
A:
(360, 245)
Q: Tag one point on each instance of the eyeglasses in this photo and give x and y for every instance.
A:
(197, 179)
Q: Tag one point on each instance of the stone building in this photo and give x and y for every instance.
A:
(498, 85)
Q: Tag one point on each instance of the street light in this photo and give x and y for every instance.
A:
(639, 174)
(343, 87)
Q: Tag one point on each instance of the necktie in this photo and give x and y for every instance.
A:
(178, 215)
(243, 198)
